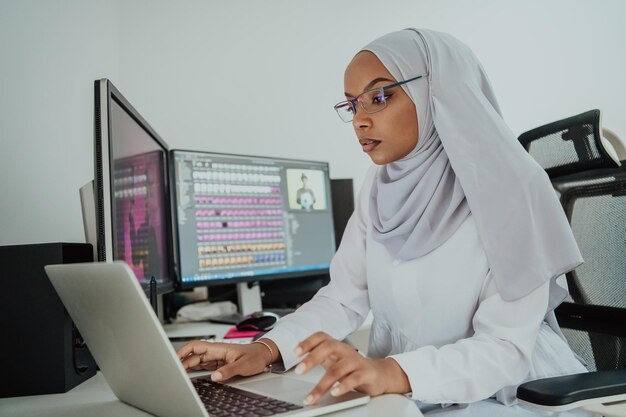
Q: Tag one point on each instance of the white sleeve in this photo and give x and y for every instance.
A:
(338, 308)
(496, 356)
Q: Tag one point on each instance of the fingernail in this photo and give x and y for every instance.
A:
(308, 400)
(300, 368)
(335, 392)
(216, 376)
(298, 351)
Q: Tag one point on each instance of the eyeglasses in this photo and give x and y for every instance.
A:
(371, 101)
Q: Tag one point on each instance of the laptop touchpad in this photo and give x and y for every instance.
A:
(279, 385)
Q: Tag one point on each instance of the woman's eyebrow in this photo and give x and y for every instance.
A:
(371, 83)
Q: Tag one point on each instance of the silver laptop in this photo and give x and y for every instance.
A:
(135, 356)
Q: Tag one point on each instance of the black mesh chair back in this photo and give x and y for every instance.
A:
(591, 184)
(569, 146)
(594, 316)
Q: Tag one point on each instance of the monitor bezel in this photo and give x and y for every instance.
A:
(241, 279)
(104, 92)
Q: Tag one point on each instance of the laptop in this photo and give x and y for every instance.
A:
(113, 315)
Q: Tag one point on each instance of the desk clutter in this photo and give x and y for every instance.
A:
(205, 310)
(247, 328)
(234, 333)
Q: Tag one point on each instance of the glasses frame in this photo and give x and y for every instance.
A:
(352, 102)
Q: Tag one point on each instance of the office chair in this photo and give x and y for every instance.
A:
(586, 171)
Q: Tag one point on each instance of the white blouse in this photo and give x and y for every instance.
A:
(439, 316)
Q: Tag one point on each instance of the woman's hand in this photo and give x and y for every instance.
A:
(227, 359)
(346, 369)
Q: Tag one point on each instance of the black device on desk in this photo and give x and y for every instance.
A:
(32, 317)
(259, 320)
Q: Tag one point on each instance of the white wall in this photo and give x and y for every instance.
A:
(261, 78)
(50, 53)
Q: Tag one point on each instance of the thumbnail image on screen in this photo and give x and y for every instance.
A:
(306, 189)
(241, 216)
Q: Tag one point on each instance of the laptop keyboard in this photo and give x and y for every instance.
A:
(226, 401)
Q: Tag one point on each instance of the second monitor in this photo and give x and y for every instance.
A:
(248, 218)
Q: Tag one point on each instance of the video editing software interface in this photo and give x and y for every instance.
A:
(139, 199)
(243, 216)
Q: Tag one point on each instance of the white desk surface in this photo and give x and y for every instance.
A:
(95, 398)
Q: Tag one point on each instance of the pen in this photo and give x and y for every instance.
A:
(153, 295)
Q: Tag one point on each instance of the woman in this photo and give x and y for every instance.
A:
(457, 245)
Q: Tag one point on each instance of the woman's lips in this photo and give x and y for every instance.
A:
(369, 145)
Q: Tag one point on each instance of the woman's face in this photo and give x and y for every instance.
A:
(392, 133)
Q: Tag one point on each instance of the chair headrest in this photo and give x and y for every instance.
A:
(572, 145)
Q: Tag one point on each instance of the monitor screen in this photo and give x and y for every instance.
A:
(133, 219)
(247, 218)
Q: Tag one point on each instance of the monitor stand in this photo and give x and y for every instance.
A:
(249, 301)
(249, 297)
(88, 208)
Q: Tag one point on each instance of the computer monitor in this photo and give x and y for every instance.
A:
(250, 218)
(131, 190)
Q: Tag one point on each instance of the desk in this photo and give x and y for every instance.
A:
(95, 398)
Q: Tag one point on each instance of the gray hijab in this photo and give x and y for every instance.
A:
(466, 160)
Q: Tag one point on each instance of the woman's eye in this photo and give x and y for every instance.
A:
(380, 99)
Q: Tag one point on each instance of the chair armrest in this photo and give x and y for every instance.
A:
(573, 391)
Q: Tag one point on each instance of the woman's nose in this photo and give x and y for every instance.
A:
(361, 118)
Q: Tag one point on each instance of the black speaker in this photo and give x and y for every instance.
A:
(41, 350)
(342, 197)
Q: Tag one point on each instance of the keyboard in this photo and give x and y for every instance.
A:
(226, 401)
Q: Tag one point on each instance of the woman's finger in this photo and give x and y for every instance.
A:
(348, 383)
(197, 368)
(342, 369)
(328, 349)
(209, 365)
(187, 349)
(310, 343)
(208, 350)
(328, 362)
(191, 361)
(243, 367)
